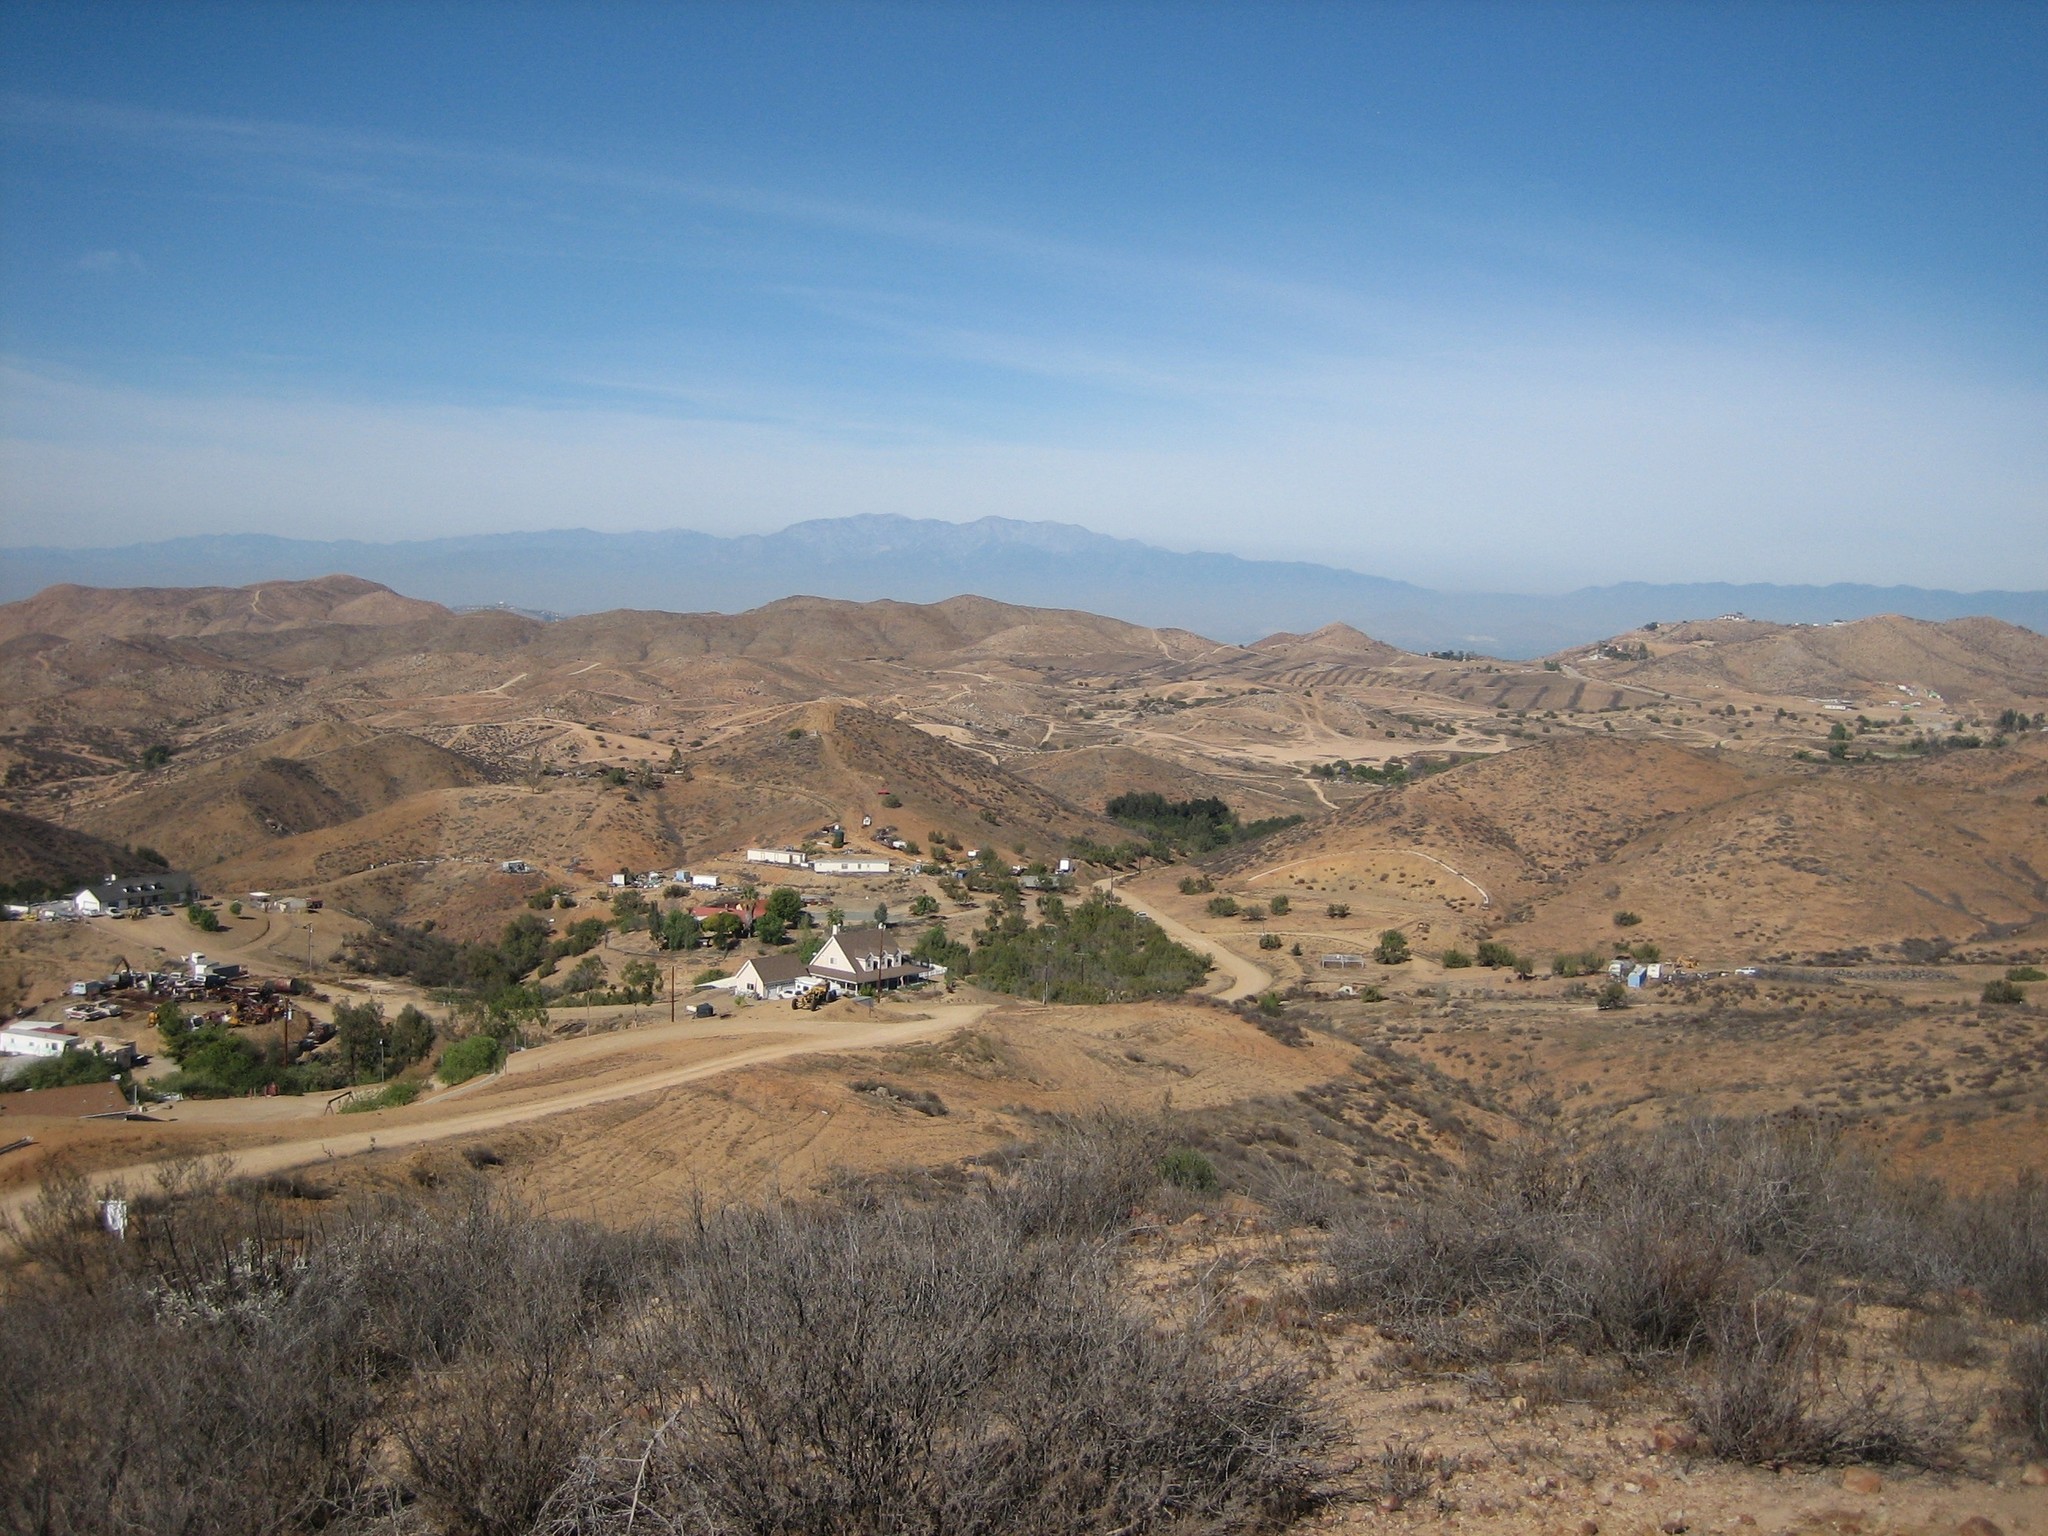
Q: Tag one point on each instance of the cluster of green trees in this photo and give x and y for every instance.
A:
(68, 1070)
(480, 969)
(214, 1062)
(1492, 954)
(1094, 952)
(1109, 855)
(1192, 827)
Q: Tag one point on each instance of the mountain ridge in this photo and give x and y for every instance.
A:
(1037, 564)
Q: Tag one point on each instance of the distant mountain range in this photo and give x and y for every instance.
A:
(1058, 565)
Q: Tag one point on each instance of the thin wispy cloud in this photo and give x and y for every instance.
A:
(110, 261)
(1509, 325)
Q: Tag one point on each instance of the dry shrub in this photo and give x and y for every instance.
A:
(1295, 1195)
(926, 1371)
(2026, 1396)
(1771, 1397)
(193, 1385)
(251, 1361)
(1940, 1338)
(1631, 1244)
(1401, 1472)
(1085, 1177)
(1999, 1240)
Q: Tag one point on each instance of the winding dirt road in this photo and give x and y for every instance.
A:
(1245, 979)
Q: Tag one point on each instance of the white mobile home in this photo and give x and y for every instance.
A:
(26, 1037)
(850, 866)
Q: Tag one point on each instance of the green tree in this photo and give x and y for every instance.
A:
(1493, 953)
(362, 1040)
(724, 929)
(170, 1022)
(785, 906)
(411, 1037)
(1337, 909)
(934, 947)
(588, 976)
(1222, 906)
(678, 930)
(68, 1069)
(881, 914)
(1455, 959)
(1392, 948)
(640, 979)
(1280, 904)
(629, 910)
(923, 906)
(470, 1058)
(202, 918)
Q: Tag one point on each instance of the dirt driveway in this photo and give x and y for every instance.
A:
(567, 1075)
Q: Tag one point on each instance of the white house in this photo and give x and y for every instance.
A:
(785, 856)
(123, 893)
(857, 957)
(704, 882)
(834, 865)
(767, 976)
(27, 1037)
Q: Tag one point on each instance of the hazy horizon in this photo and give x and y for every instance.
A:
(1485, 299)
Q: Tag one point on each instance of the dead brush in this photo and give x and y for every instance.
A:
(2026, 1392)
(1772, 1394)
(1944, 1338)
(1403, 1471)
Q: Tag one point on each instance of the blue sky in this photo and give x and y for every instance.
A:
(1503, 296)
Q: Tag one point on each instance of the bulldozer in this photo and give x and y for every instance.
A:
(811, 999)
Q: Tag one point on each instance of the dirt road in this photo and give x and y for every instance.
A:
(1245, 979)
(543, 1082)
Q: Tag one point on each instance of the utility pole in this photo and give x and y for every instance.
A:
(671, 991)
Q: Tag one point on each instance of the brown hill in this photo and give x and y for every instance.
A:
(1090, 777)
(844, 762)
(213, 811)
(816, 627)
(1333, 642)
(77, 613)
(38, 853)
(1887, 663)
(1718, 860)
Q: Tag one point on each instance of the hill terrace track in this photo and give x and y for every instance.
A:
(1408, 853)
